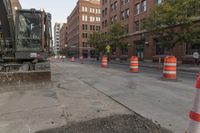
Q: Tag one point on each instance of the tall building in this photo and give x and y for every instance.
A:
(132, 13)
(63, 36)
(84, 19)
(56, 45)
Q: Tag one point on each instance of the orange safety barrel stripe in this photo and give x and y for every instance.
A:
(194, 116)
(170, 61)
(169, 68)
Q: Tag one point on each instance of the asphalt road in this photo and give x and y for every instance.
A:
(147, 93)
(187, 77)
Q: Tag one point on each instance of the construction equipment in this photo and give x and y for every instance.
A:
(24, 43)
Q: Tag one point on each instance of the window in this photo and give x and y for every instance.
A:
(97, 28)
(103, 12)
(127, 13)
(84, 26)
(137, 26)
(114, 6)
(137, 8)
(144, 6)
(92, 27)
(92, 18)
(84, 18)
(97, 11)
(159, 2)
(106, 10)
(123, 15)
(84, 35)
(84, 9)
(98, 19)
(92, 10)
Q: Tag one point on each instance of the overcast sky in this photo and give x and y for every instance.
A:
(59, 9)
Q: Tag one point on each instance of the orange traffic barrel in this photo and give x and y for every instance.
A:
(194, 115)
(169, 70)
(134, 64)
(104, 61)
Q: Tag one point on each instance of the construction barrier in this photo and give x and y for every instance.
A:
(81, 59)
(104, 61)
(194, 115)
(134, 64)
(169, 70)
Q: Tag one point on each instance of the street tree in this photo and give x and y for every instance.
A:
(115, 34)
(96, 40)
(175, 22)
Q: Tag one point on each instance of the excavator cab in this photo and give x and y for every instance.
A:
(32, 34)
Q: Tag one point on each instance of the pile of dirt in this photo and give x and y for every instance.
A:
(113, 124)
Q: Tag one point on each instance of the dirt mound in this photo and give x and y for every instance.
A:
(113, 124)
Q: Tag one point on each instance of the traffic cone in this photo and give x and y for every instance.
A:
(194, 115)
(134, 64)
(104, 62)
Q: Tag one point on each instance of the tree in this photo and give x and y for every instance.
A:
(174, 22)
(115, 33)
(96, 40)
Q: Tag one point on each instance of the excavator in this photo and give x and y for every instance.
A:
(25, 42)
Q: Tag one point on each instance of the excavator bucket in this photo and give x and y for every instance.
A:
(25, 77)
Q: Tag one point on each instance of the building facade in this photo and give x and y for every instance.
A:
(56, 46)
(84, 19)
(132, 13)
(63, 36)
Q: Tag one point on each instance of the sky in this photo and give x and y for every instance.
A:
(60, 9)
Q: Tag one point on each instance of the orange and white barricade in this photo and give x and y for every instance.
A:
(104, 61)
(194, 115)
(169, 70)
(134, 64)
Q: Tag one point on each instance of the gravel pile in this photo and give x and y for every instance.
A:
(113, 124)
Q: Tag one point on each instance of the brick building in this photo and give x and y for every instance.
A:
(84, 19)
(63, 36)
(131, 13)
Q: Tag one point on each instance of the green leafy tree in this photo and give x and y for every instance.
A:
(174, 22)
(96, 40)
(115, 34)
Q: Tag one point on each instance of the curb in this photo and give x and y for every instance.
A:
(152, 66)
